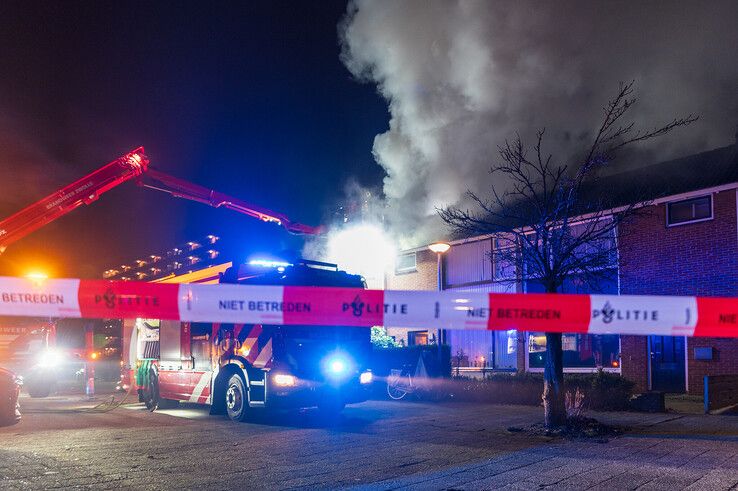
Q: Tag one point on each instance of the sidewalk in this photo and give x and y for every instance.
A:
(667, 451)
(377, 445)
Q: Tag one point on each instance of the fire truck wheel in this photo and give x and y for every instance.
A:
(236, 398)
(151, 392)
(39, 388)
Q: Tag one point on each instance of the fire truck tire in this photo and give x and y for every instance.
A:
(218, 405)
(151, 392)
(38, 390)
(152, 397)
(236, 398)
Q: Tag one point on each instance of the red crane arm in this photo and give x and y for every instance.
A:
(131, 165)
(82, 191)
(179, 188)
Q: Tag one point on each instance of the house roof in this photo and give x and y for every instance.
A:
(686, 174)
(704, 170)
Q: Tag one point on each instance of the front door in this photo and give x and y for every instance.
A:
(667, 363)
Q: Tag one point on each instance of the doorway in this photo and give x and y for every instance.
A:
(667, 363)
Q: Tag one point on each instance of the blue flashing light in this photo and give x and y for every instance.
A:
(266, 263)
(337, 365)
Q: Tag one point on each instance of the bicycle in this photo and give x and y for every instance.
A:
(400, 383)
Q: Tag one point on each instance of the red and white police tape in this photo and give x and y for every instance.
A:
(597, 314)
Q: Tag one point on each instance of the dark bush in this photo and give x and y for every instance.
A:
(498, 388)
(602, 391)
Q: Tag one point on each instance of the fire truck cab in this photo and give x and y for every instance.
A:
(239, 369)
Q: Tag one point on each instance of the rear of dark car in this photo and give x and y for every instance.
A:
(10, 386)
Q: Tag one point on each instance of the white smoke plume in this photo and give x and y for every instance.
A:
(462, 76)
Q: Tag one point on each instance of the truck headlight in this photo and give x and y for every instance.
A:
(50, 358)
(366, 378)
(284, 380)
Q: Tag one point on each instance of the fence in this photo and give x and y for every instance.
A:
(721, 391)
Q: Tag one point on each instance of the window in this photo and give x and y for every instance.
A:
(594, 243)
(483, 349)
(583, 352)
(503, 264)
(689, 210)
(415, 338)
(580, 351)
(503, 259)
(200, 345)
(406, 263)
(468, 263)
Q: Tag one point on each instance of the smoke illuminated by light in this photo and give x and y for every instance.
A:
(363, 249)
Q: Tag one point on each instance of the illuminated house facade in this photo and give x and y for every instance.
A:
(685, 243)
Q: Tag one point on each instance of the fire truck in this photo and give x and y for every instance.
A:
(29, 347)
(242, 369)
(34, 347)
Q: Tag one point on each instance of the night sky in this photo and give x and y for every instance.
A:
(249, 98)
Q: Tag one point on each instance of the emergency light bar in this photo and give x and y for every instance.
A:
(265, 263)
(331, 306)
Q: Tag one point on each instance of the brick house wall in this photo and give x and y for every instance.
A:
(424, 277)
(691, 259)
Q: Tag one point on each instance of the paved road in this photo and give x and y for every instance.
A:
(373, 445)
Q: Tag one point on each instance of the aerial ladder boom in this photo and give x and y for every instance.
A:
(179, 188)
(81, 192)
(132, 165)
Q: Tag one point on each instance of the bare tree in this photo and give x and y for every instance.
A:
(550, 224)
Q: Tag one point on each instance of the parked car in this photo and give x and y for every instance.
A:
(10, 386)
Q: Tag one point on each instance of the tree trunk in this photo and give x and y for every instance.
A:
(553, 382)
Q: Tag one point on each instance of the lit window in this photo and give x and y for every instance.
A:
(583, 351)
(689, 210)
(415, 338)
(406, 263)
